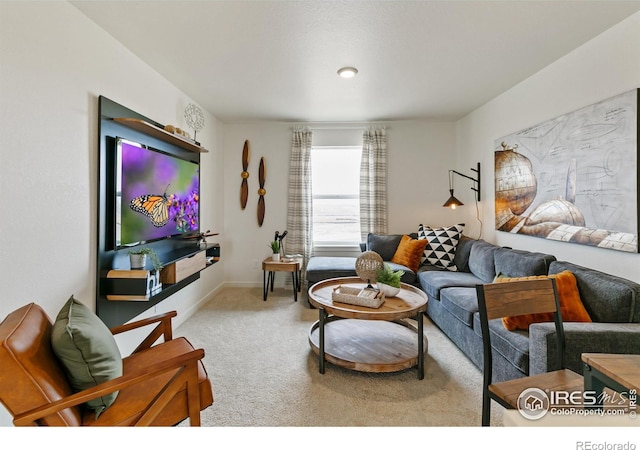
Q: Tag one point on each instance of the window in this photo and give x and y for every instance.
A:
(336, 185)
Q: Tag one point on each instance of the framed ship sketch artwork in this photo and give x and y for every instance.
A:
(573, 178)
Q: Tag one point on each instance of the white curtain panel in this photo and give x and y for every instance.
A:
(373, 183)
(300, 201)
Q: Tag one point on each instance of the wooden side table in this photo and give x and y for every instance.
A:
(620, 372)
(269, 269)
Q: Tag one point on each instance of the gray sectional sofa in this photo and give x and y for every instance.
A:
(613, 304)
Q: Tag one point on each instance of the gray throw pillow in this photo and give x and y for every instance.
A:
(87, 350)
(384, 245)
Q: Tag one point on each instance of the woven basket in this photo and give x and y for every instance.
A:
(367, 266)
(349, 295)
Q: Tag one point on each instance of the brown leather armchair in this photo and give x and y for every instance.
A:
(162, 384)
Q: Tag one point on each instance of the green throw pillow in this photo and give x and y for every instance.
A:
(87, 350)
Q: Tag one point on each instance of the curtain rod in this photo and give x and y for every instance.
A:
(339, 126)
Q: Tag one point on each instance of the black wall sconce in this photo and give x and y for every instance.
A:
(454, 202)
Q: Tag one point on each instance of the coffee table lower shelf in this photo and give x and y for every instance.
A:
(368, 345)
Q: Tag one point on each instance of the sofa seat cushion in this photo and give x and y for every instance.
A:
(461, 302)
(131, 401)
(321, 268)
(512, 345)
(433, 281)
(607, 298)
(324, 267)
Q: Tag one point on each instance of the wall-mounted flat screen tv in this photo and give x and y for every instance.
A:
(157, 194)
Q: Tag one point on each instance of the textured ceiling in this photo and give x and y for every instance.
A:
(277, 60)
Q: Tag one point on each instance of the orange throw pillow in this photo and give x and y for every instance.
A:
(409, 252)
(571, 307)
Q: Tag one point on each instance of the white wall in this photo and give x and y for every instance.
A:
(54, 64)
(419, 155)
(606, 66)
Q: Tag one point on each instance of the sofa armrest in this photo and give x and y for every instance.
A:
(163, 329)
(591, 337)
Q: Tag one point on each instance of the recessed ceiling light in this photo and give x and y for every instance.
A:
(348, 72)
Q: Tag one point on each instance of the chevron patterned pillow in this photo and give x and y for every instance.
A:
(441, 246)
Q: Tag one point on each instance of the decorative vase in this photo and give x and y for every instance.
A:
(137, 261)
(389, 291)
(275, 257)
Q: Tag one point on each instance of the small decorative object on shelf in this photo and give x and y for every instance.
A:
(168, 133)
(195, 119)
(138, 258)
(132, 285)
(201, 238)
(367, 266)
(275, 248)
(176, 130)
(388, 281)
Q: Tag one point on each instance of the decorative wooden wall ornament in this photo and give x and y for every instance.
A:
(261, 191)
(244, 187)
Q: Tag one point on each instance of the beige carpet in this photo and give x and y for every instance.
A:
(264, 373)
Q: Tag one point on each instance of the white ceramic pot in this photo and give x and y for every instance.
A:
(389, 291)
(137, 261)
(275, 257)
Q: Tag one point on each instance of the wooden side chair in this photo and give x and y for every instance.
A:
(516, 298)
(163, 381)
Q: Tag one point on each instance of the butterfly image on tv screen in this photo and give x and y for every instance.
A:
(156, 207)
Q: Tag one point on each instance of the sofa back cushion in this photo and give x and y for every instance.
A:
(606, 297)
(463, 250)
(521, 263)
(481, 260)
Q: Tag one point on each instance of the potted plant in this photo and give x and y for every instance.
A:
(275, 249)
(388, 281)
(138, 258)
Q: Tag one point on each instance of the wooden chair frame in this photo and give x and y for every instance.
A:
(185, 367)
(497, 300)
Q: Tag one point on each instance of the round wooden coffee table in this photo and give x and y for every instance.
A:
(368, 339)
